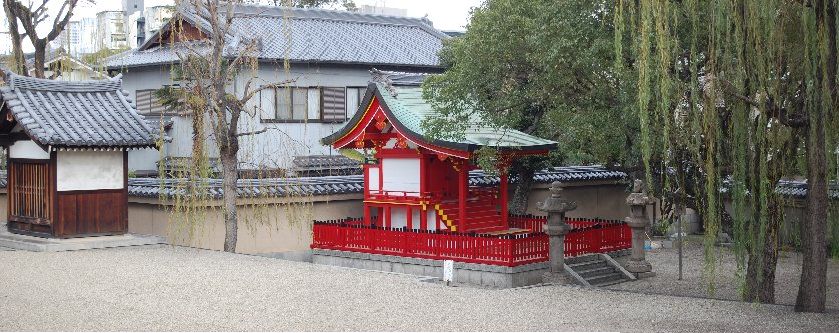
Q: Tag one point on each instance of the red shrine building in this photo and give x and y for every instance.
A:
(418, 183)
(421, 210)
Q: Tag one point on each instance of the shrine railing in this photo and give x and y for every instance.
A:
(597, 236)
(502, 250)
(586, 236)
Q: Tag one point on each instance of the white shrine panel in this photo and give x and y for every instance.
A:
(401, 175)
(89, 170)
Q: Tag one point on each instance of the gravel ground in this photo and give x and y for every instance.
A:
(665, 263)
(171, 288)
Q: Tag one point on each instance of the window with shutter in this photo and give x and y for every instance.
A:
(333, 107)
(148, 104)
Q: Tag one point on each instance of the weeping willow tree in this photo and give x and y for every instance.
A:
(734, 94)
(217, 84)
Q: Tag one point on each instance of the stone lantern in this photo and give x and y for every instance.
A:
(637, 220)
(556, 228)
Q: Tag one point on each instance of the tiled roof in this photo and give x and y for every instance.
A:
(408, 109)
(312, 35)
(798, 189)
(76, 114)
(331, 185)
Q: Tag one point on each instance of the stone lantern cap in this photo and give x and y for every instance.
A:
(555, 203)
(639, 196)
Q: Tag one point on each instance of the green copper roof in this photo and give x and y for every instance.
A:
(407, 110)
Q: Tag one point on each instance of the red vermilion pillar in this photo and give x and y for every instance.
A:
(505, 214)
(463, 191)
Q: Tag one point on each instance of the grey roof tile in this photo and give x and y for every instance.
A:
(313, 35)
(332, 185)
(81, 114)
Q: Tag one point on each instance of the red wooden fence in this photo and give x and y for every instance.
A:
(586, 236)
(503, 250)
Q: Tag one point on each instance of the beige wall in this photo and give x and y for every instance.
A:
(273, 227)
(606, 200)
(148, 216)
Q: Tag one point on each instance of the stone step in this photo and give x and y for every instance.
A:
(582, 258)
(605, 278)
(595, 271)
(588, 265)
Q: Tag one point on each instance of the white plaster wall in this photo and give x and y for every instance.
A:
(28, 149)
(399, 217)
(373, 179)
(276, 147)
(89, 170)
(401, 174)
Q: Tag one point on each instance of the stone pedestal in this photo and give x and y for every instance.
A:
(556, 228)
(638, 221)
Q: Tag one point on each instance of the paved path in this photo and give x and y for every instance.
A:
(166, 288)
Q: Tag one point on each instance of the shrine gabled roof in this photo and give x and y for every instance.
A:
(406, 109)
(78, 114)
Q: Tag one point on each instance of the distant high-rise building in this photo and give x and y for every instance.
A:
(5, 37)
(71, 38)
(381, 10)
(111, 32)
(132, 6)
(87, 35)
(156, 17)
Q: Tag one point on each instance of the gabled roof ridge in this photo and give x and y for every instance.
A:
(16, 81)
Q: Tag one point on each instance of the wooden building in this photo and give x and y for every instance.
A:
(66, 145)
(418, 182)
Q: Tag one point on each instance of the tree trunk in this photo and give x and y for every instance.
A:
(230, 174)
(18, 61)
(40, 56)
(812, 287)
(524, 171)
(762, 264)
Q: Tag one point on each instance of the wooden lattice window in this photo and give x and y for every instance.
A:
(30, 191)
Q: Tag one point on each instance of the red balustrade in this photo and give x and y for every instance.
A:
(502, 250)
(586, 236)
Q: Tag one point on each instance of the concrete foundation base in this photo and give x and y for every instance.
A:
(466, 273)
(38, 244)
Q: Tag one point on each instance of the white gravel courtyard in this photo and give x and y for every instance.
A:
(170, 288)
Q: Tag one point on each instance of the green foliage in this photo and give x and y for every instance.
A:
(542, 67)
(722, 88)
(97, 59)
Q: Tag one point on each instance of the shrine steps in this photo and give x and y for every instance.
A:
(597, 270)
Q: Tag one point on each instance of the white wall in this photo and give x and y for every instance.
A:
(89, 170)
(399, 217)
(28, 149)
(373, 179)
(401, 174)
(282, 141)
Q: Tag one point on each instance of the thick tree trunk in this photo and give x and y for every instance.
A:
(812, 288)
(762, 264)
(40, 56)
(229, 164)
(518, 203)
(18, 62)
(813, 285)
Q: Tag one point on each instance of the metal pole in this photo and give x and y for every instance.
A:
(681, 216)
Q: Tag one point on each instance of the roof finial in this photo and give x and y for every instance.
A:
(384, 78)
